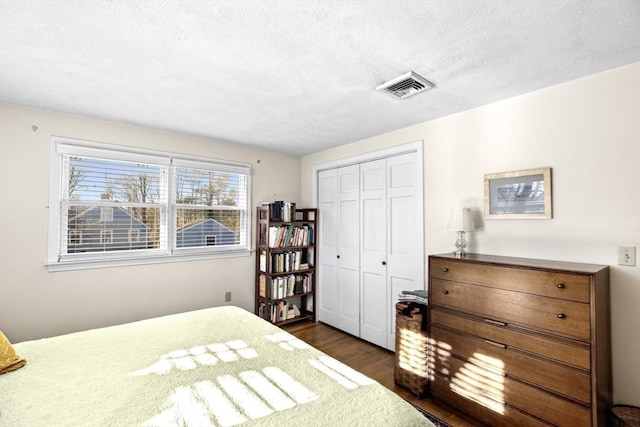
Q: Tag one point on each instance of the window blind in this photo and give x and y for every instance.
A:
(120, 203)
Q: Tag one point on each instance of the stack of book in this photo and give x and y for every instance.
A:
(281, 211)
(419, 296)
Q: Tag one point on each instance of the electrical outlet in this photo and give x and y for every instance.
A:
(627, 256)
(227, 296)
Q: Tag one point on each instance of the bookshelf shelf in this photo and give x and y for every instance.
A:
(285, 287)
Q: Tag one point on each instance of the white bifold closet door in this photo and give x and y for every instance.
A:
(338, 266)
(370, 244)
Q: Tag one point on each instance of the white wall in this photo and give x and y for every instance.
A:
(35, 303)
(588, 132)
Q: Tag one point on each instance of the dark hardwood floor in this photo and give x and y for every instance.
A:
(373, 361)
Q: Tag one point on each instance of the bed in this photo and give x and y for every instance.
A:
(214, 367)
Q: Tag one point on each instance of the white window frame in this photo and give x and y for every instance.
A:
(167, 251)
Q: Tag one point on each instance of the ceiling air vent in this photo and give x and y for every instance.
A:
(406, 85)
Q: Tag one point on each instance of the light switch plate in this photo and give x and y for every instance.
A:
(627, 256)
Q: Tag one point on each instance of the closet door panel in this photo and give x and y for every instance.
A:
(328, 246)
(373, 324)
(349, 301)
(348, 249)
(373, 252)
(405, 263)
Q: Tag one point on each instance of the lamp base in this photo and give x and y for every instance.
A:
(461, 243)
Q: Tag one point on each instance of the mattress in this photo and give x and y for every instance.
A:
(214, 367)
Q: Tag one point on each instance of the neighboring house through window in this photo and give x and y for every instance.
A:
(124, 206)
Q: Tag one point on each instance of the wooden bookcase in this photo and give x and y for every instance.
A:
(285, 285)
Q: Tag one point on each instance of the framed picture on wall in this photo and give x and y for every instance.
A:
(522, 194)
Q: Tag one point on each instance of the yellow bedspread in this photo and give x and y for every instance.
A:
(215, 367)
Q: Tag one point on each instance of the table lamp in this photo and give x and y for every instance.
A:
(461, 221)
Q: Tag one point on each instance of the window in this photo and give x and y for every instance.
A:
(123, 206)
(106, 214)
(75, 237)
(106, 237)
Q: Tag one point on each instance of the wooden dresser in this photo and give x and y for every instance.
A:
(520, 341)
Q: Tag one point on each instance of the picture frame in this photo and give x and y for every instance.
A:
(524, 194)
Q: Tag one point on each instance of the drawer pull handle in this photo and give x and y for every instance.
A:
(495, 322)
(445, 292)
(445, 269)
(560, 286)
(561, 316)
(496, 344)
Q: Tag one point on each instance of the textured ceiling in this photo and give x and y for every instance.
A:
(298, 76)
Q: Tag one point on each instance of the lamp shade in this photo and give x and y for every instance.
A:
(461, 220)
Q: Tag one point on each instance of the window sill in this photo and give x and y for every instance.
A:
(53, 267)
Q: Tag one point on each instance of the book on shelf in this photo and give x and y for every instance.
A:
(286, 286)
(283, 311)
(281, 211)
(263, 286)
(263, 261)
(290, 236)
(284, 262)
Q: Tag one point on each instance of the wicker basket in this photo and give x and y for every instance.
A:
(625, 415)
(411, 361)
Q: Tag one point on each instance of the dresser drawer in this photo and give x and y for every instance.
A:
(489, 356)
(567, 318)
(500, 394)
(566, 351)
(502, 416)
(574, 287)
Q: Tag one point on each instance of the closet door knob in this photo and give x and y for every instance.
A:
(384, 262)
(561, 316)
(337, 256)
